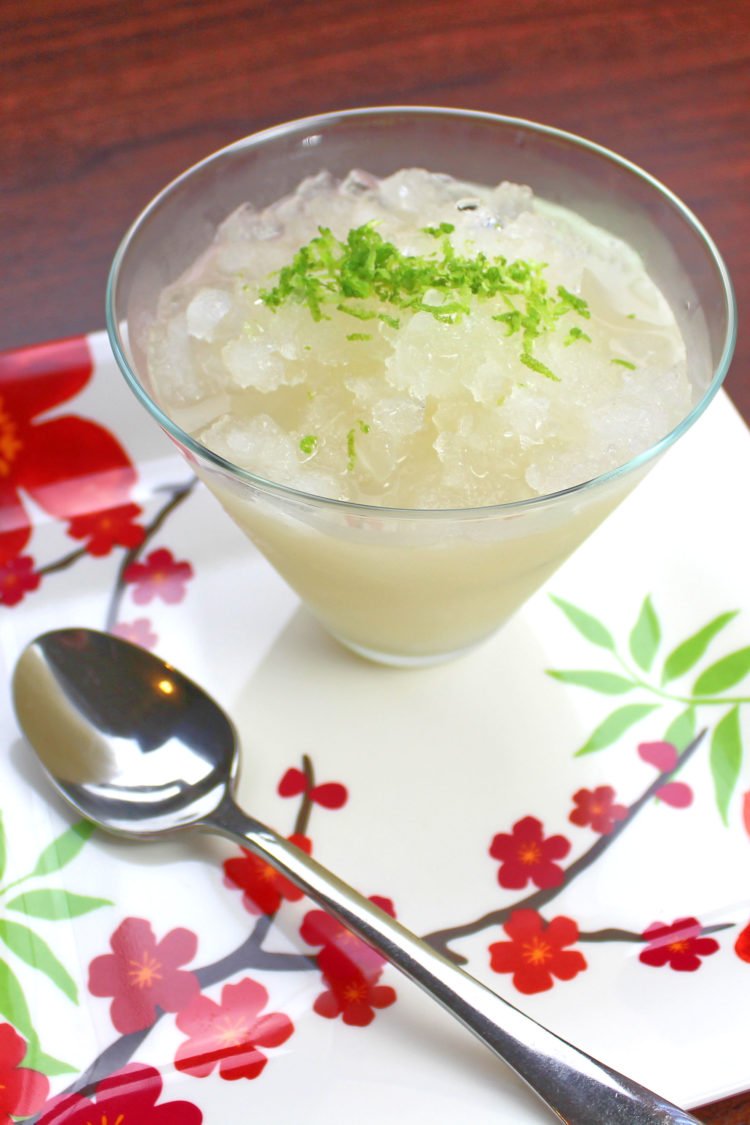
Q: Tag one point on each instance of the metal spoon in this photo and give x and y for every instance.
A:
(142, 751)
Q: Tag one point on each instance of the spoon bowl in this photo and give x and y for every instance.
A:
(132, 743)
(142, 751)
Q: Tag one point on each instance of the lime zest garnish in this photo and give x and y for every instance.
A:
(366, 268)
(359, 336)
(392, 321)
(536, 365)
(361, 314)
(631, 316)
(577, 304)
(575, 334)
(351, 443)
(308, 444)
(624, 363)
(351, 450)
(512, 319)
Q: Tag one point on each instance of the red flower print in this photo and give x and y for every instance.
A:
(679, 945)
(17, 578)
(230, 1033)
(331, 795)
(319, 928)
(527, 856)
(71, 467)
(138, 632)
(664, 756)
(742, 945)
(597, 807)
(107, 529)
(536, 952)
(350, 968)
(22, 1091)
(352, 994)
(129, 1095)
(143, 974)
(264, 887)
(160, 576)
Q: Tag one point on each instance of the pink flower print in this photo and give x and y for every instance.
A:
(138, 632)
(230, 1033)
(664, 757)
(142, 974)
(160, 576)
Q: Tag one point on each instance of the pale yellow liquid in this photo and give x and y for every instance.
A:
(403, 590)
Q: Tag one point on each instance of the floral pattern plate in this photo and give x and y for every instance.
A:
(566, 810)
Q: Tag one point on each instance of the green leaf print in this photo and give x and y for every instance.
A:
(64, 848)
(726, 759)
(645, 637)
(589, 627)
(724, 674)
(607, 683)
(681, 731)
(35, 952)
(615, 726)
(687, 654)
(13, 1002)
(54, 905)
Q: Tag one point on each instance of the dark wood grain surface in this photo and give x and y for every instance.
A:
(102, 103)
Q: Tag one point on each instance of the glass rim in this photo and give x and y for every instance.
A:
(301, 124)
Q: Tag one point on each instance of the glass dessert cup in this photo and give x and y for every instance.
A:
(404, 586)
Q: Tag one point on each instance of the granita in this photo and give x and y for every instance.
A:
(418, 342)
(435, 360)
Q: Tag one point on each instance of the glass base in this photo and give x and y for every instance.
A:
(402, 660)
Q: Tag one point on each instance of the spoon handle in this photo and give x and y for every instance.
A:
(576, 1087)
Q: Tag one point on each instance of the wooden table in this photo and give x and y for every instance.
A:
(103, 103)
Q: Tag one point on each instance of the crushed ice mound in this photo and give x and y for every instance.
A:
(419, 342)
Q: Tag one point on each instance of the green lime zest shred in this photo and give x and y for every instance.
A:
(351, 450)
(351, 443)
(535, 364)
(439, 231)
(308, 444)
(577, 304)
(624, 363)
(363, 273)
(576, 334)
(359, 336)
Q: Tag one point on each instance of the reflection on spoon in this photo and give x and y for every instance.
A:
(142, 751)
